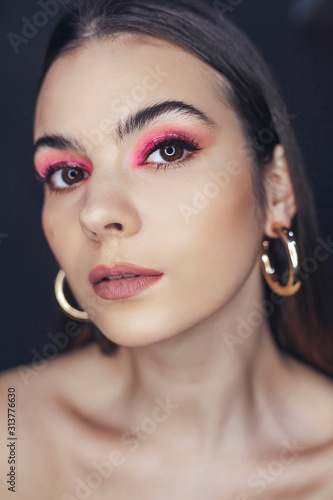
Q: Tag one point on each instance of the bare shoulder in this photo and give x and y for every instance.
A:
(313, 426)
(46, 377)
(51, 384)
(310, 404)
(47, 399)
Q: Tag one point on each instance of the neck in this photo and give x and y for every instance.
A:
(218, 368)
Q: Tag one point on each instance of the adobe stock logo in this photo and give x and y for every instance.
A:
(31, 27)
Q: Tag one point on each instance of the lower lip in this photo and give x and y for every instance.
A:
(124, 287)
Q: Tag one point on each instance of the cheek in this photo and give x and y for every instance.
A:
(55, 230)
(236, 207)
(47, 225)
(230, 218)
(50, 232)
(224, 236)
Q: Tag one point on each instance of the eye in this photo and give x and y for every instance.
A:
(170, 151)
(64, 177)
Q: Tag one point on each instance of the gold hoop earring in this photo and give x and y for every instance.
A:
(65, 306)
(289, 243)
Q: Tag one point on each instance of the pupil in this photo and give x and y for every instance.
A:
(172, 153)
(170, 150)
(71, 175)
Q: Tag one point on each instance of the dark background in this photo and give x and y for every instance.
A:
(295, 37)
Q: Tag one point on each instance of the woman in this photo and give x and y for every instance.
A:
(177, 207)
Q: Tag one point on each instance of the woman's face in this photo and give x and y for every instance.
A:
(186, 208)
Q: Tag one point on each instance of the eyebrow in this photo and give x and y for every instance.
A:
(130, 125)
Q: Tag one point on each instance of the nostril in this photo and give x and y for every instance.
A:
(115, 225)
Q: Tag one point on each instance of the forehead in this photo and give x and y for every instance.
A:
(111, 78)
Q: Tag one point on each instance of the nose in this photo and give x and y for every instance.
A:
(107, 209)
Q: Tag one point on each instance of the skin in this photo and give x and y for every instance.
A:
(232, 409)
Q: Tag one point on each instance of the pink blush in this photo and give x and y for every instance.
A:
(184, 132)
(48, 159)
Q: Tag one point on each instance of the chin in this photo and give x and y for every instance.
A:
(133, 331)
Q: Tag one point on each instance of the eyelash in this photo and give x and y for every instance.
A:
(191, 146)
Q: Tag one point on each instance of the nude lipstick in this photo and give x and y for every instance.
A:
(122, 280)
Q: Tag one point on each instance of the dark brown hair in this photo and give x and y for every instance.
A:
(301, 324)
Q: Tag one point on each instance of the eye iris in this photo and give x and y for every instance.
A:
(172, 152)
(72, 175)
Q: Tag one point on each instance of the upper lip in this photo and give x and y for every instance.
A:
(118, 269)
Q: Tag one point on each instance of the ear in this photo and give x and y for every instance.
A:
(281, 205)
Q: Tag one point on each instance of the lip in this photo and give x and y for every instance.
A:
(100, 272)
(125, 287)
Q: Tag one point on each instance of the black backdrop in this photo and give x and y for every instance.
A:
(297, 41)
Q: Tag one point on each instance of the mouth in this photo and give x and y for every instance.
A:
(111, 278)
(119, 271)
(122, 280)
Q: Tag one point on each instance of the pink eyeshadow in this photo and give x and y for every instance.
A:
(47, 159)
(167, 131)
